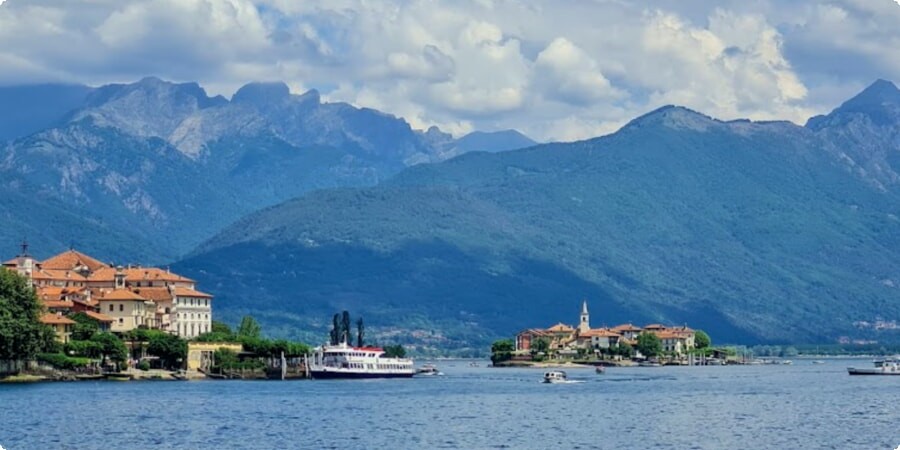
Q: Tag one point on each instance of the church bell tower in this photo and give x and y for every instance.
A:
(585, 324)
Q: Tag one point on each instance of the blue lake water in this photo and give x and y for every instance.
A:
(734, 407)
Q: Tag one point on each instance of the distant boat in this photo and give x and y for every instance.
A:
(887, 366)
(428, 370)
(648, 364)
(473, 364)
(555, 376)
(600, 370)
(818, 361)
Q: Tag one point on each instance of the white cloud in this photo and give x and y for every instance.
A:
(553, 69)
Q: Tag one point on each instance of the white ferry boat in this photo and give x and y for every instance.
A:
(555, 376)
(888, 366)
(344, 361)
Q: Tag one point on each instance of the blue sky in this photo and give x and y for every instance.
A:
(556, 70)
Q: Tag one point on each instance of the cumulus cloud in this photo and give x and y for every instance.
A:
(552, 69)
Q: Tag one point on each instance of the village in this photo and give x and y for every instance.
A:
(136, 322)
(625, 344)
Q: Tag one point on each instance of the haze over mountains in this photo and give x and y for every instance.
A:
(756, 232)
(165, 166)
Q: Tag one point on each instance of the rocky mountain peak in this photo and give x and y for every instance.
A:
(880, 103)
(674, 117)
(262, 94)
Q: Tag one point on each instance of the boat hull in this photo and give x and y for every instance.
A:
(853, 371)
(335, 375)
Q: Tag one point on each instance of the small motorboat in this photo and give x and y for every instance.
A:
(555, 376)
(889, 366)
(428, 370)
(600, 369)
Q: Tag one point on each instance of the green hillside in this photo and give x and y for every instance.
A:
(752, 231)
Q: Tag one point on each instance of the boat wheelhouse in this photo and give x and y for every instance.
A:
(344, 361)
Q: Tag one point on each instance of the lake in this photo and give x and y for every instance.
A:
(785, 407)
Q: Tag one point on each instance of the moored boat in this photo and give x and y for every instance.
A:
(344, 361)
(887, 366)
(555, 376)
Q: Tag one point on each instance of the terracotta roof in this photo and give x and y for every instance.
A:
(99, 316)
(122, 294)
(86, 302)
(153, 274)
(154, 293)
(57, 304)
(56, 319)
(12, 262)
(185, 292)
(625, 327)
(71, 259)
(560, 327)
(669, 335)
(103, 274)
(601, 332)
(54, 274)
(535, 331)
(655, 326)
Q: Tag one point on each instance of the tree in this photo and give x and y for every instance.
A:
(540, 345)
(360, 333)
(345, 327)
(110, 347)
(336, 329)
(502, 350)
(85, 326)
(624, 350)
(249, 327)
(220, 327)
(394, 351)
(701, 339)
(22, 336)
(649, 344)
(170, 349)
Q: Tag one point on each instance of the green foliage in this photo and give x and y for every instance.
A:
(170, 349)
(87, 349)
(226, 359)
(85, 326)
(394, 351)
(220, 327)
(540, 345)
(624, 350)
(60, 361)
(215, 336)
(144, 365)
(649, 345)
(249, 328)
(701, 339)
(501, 350)
(22, 336)
(111, 346)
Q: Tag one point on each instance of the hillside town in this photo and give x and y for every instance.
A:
(119, 298)
(562, 341)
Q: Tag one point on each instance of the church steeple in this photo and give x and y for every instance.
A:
(585, 324)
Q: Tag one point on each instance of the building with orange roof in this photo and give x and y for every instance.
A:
(73, 260)
(628, 331)
(161, 299)
(61, 325)
(128, 310)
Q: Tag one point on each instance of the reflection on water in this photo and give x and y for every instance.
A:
(799, 406)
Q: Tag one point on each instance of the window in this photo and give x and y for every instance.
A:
(121, 320)
(121, 307)
(111, 307)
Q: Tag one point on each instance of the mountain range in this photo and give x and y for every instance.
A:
(291, 209)
(753, 231)
(165, 166)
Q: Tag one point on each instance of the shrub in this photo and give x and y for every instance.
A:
(144, 365)
(60, 361)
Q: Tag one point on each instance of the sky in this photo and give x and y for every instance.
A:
(553, 69)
